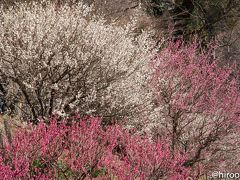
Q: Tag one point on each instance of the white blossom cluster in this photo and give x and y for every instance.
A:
(67, 59)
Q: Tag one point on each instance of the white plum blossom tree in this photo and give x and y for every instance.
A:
(66, 59)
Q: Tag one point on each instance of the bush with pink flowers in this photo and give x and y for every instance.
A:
(82, 149)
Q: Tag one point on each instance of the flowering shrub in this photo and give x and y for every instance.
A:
(198, 103)
(68, 59)
(83, 150)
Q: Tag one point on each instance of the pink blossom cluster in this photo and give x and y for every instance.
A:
(198, 102)
(81, 148)
(194, 80)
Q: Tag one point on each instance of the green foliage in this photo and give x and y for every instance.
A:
(65, 170)
(98, 172)
(37, 164)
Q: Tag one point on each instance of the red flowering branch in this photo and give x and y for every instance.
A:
(84, 150)
(198, 101)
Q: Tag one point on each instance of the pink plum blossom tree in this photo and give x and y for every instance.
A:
(82, 149)
(198, 104)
